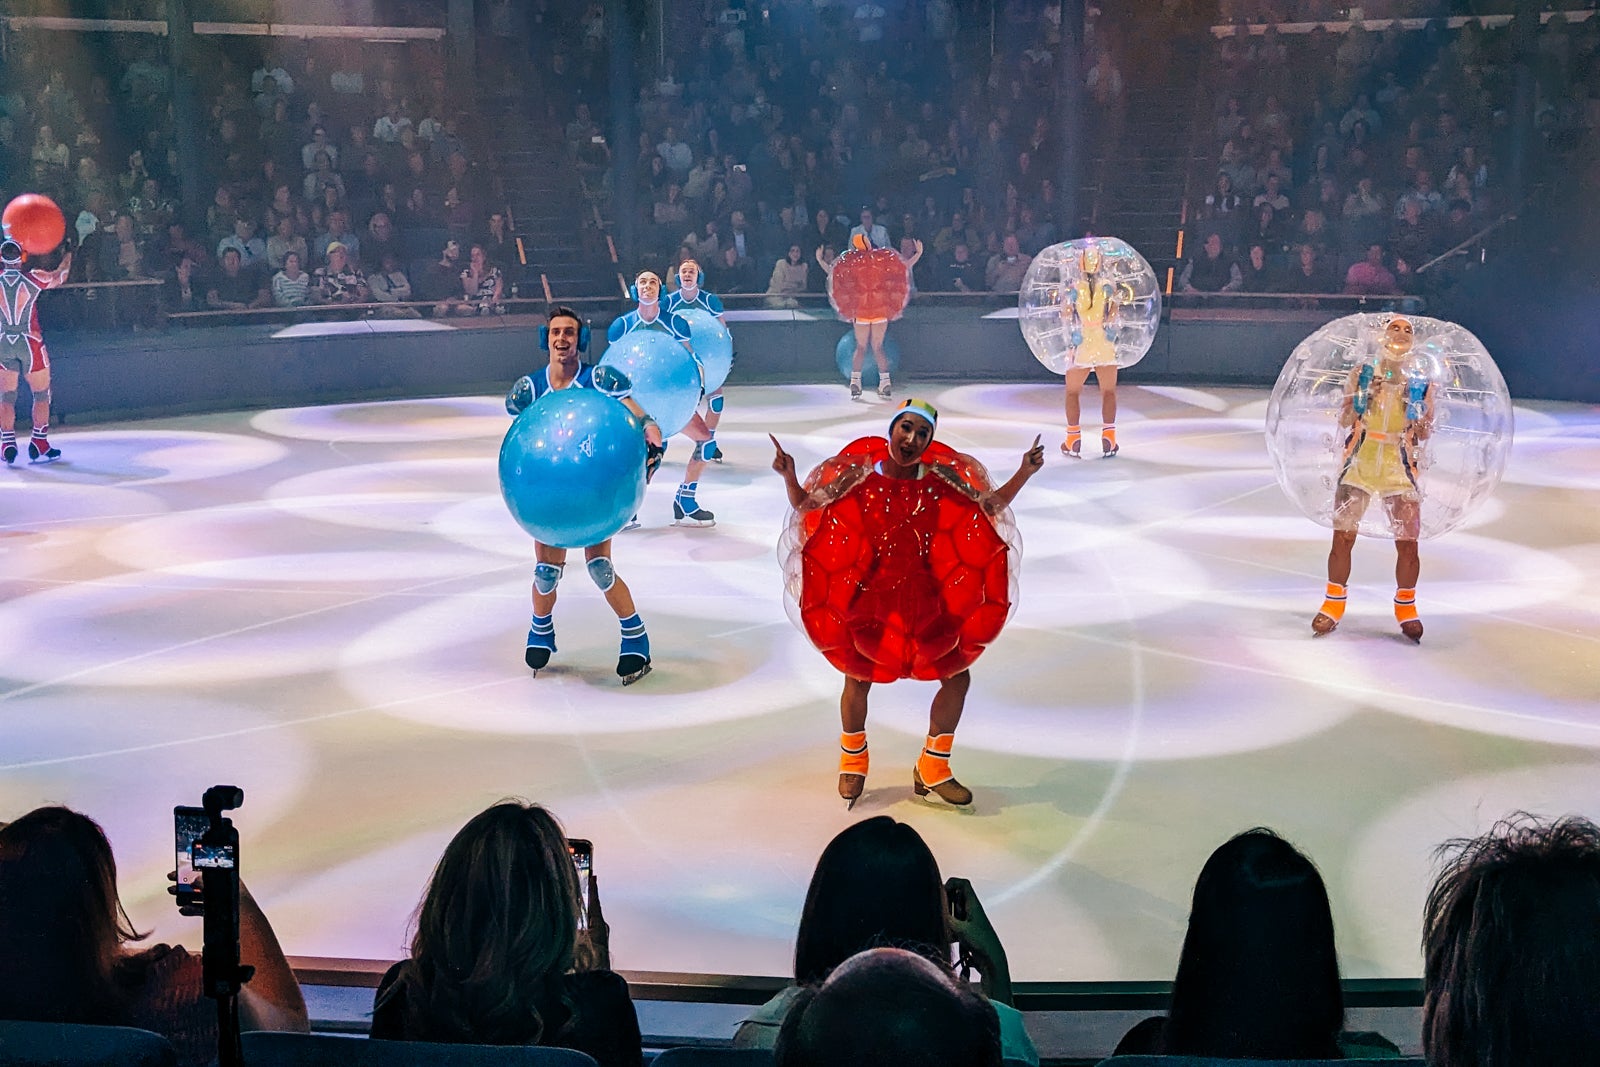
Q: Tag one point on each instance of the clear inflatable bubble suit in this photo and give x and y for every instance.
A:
(1456, 463)
(1119, 313)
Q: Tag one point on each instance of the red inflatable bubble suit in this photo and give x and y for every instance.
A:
(868, 285)
(36, 223)
(900, 578)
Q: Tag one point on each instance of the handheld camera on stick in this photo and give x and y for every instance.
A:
(208, 848)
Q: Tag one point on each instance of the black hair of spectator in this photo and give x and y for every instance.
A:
(1258, 976)
(62, 926)
(886, 1007)
(876, 884)
(1511, 947)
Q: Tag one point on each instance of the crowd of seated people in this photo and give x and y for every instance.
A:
(756, 136)
(763, 139)
(510, 948)
(1347, 160)
(308, 149)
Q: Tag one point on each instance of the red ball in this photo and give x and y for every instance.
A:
(900, 578)
(869, 284)
(36, 223)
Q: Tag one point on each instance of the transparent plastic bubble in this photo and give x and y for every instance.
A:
(1111, 321)
(1437, 436)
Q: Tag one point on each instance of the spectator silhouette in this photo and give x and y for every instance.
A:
(877, 884)
(1511, 948)
(498, 957)
(885, 1007)
(64, 938)
(1258, 976)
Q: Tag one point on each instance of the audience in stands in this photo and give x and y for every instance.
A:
(798, 120)
(389, 283)
(888, 1006)
(1211, 271)
(790, 279)
(1258, 976)
(510, 948)
(65, 956)
(482, 285)
(339, 280)
(1370, 277)
(499, 958)
(1511, 948)
(233, 288)
(291, 286)
(877, 884)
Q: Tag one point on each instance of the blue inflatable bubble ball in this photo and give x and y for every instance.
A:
(844, 354)
(667, 379)
(572, 468)
(713, 345)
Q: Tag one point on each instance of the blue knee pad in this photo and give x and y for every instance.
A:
(715, 403)
(603, 573)
(546, 576)
(707, 450)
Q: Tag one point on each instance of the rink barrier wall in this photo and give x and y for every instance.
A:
(104, 376)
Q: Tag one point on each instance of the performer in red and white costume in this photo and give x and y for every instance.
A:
(22, 350)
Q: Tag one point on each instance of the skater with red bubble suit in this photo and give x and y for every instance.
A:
(22, 350)
(869, 287)
(901, 558)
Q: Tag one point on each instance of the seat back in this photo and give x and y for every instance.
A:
(265, 1049)
(1209, 1061)
(24, 1044)
(715, 1057)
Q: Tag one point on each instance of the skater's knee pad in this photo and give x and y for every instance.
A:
(603, 573)
(546, 576)
(40, 396)
(715, 403)
(9, 396)
(706, 450)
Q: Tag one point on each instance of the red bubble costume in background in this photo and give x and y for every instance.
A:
(901, 578)
(869, 285)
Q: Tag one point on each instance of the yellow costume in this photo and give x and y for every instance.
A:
(1389, 410)
(1091, 308)
(1378, 454)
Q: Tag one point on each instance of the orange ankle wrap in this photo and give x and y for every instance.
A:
(1405, 605)
(1333, 601)
(934, 763)
(853, 753)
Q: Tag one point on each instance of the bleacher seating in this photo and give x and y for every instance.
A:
(267, 1049)
(28, 1044)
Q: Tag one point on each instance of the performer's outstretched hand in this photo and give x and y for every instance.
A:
(1033, 458)
(783, 463)
(1032, 463)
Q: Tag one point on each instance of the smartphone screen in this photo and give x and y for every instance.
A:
(188, 826)
(583, 859)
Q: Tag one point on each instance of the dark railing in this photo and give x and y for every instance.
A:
(131, 303)
(1348, 303)
(754, 990)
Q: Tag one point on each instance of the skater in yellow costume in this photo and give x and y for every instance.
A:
(1389, 409)
(1090, 310)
